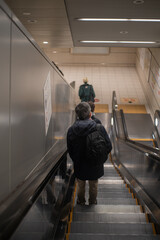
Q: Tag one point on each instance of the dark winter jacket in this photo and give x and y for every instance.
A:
(96, 119)
(86, 93)
(76, 143)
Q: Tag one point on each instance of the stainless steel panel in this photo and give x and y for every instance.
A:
(143, 168)
(4, 102)
(24, 70)
(63, 106)
(29, 72)
(29, 143)
(139, 125)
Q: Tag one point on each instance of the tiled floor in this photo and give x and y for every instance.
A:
(124, 80)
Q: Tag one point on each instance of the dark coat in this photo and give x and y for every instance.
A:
(86, 93)
(96, 119)
(76, 143)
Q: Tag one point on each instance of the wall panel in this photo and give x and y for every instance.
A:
(29, 72)
(4, 102)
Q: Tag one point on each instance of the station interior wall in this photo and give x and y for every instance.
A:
(24, 140)
(127, 78)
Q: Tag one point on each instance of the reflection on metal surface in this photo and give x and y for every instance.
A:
(139, 167)
(156, 122)
(42, 219)
(109, 181)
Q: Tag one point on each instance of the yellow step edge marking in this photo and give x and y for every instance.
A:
(154, 229)
(142, 139)
(71, 213)
(67, 236)
(136, 201)
(147, 219)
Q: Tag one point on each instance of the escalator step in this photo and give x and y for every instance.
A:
(111, 177)
(111, 228)
(80, 236)
(113, 201)
(106, 187)
(110, 217)
(110, 186)
(113, 194)
(111, 182)
(108, 208)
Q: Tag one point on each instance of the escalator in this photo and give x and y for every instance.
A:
(116, 216)
(128, 208)
(128, 205)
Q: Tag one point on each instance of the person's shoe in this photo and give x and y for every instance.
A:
(93, 203)
(80, 203)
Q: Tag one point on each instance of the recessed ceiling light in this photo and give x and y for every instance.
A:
(45, 42)
(123, 32)
(138, 1)
(118, 20)
(54, 51)
(26, 13)
(129, 42)
(32, 21)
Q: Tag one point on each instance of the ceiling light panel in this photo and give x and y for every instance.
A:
(135, 42)
(133, 23)
(116, 20)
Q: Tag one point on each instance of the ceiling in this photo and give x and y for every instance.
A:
(55, 21)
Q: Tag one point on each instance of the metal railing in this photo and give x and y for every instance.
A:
(122, 133)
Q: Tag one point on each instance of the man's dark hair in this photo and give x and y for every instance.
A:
(83, 110)
(92, 105)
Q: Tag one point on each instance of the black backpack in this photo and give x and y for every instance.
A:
(96, 147)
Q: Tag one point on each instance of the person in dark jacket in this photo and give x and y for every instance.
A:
(86, 92)
(92, 105)
(76, 143)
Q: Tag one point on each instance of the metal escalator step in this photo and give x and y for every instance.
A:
(111, 177)
(110, 170)
(111, 181)
(111, 228)
(108, 208)
(111, 174)
(109, 189)
(113, 201)
(113, 194)
(110, 186)
(74, 236)
(110, 217)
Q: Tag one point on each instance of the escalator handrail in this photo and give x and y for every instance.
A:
(147, 150)
(151, 150)
(114, 101)
(16, 205)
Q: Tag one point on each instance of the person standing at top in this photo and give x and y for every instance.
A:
(86, 92)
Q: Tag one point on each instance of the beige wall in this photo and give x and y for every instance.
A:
(143, 66)
(124, 80)
(116, 57)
